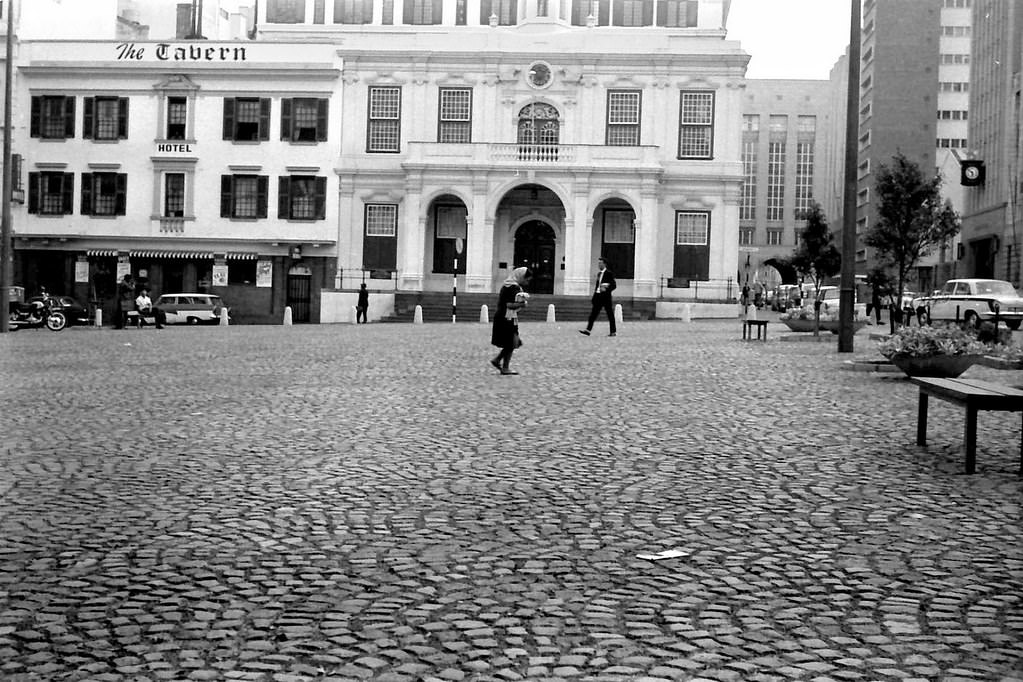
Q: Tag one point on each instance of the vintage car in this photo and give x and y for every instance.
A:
(971, 301)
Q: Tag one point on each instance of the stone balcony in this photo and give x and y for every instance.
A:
(511, 155)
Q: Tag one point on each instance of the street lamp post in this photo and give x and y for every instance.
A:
(847, 290)
(6, 254)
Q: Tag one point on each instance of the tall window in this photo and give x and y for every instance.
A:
(53, 117)
(177, 117)
(696, 125)
(632, 13)
(506, 11)
(776, 168)
(174, 195)
(246, 119)
(384, 125)
(353, 11)
(455, 115)
(619, 241)
(746, 235)
(105, 118)
(774, 237)
(304, 119)
(678, 13)
(449, 226)
(623, 115)
(380, 243)
(50, 192)
(243, 196)
(104, 194)
(692, 245)
(302, 197)
(539, 132)
(750, 157)
(806, 129)
(285, 11)
(422, 12)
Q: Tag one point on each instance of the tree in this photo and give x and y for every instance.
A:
(911, 220)
(816, 256)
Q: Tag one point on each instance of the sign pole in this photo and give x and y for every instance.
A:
(454, 280)
(6, 252)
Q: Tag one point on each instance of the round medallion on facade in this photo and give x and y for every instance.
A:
(971, 172)
(539, 75)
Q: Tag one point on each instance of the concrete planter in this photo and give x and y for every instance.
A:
(938, 366)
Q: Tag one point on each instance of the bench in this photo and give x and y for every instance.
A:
(974, 395)
(747, 329)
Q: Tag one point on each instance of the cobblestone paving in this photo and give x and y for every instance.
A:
(376, 503)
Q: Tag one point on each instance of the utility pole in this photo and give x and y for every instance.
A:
(847, 292)
(6, 253)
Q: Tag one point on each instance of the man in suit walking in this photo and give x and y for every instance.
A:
(602, 298)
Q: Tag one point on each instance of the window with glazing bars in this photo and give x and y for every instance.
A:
(748, 197)
(455, 115)
(632, 13)
(678, 13)
(422, 12)
(696, 125)
(506, 12)
(285, 11)
(776, 180)
(623, 117)
(52, 117)
(804, 178)
(105, 118)
(692, 228)
(353, 11)
(104, 194)
(381, 220)
(174, 195)
(177, 112)
(384, 125)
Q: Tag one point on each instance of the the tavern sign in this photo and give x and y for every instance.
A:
(167, 52)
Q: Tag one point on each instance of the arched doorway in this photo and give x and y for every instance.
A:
(534, 248)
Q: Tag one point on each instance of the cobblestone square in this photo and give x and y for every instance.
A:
(375, 502)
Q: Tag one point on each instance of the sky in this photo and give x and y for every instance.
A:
(790, 38)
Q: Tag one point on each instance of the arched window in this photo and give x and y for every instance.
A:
(539, 132)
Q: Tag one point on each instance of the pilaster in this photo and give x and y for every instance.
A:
(480, 232)
(578, 238)
(646, 281)
(411, 236)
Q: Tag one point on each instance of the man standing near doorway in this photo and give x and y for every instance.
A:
(602, 298)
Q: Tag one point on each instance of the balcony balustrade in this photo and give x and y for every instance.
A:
(549, 156)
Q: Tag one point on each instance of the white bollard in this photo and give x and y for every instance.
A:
(618, 313)
(287, 316)
(484, 314)
(687, 312)
(417, 317)
(223, 317)
(99, 317)
(550, 312)
(355, 314)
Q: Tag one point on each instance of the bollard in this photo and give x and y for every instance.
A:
(550, 312)
(484, 314)
(687, 312)
(355, 315)
(223, 317)
(287, 316)
(618, 313)
(99, 318)
(417, 316)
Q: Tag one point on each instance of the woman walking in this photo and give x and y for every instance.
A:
(506, 319)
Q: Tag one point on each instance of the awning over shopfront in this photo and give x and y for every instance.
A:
(193, 255)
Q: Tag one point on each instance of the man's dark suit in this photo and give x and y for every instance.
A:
(602, 299)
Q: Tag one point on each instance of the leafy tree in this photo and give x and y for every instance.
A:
(816, 256)
(911, 220)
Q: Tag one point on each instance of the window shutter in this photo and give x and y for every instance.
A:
(603, 14)
(321, 198)
(86, 193)
(485, 12)
(69, 117)
(226, 195)
(284, 197)
(662, 13)
(438, 11)
(68, 193)
(322, 106)
(122, 118)
(88, 118)
(121, 196)
(286, 119)
(648, 12)
(407, 12)
(36, 117)
(692, 13)
(229, 118)
(264, 118)
(618, 16)
(33, 192)
(367, 13)
(262, 194)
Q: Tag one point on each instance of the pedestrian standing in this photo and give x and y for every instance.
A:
(601, 299)
(362, 305)
(510, 300)
(125, 300)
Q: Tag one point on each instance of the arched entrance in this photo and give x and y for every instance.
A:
(534, 248)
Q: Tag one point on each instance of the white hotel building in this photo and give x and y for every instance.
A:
(354, 140)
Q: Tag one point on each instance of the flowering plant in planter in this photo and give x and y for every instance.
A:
(931, 341)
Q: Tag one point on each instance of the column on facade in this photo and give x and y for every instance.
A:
(647, 278)
(480, 232)
(578, 229)
(411, 237)
(727, 225)
(349, 240)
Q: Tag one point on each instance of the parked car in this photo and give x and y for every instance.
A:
(191, 308)
(783, 297)
(972, 301)
(830, 298)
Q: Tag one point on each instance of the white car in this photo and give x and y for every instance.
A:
(830, 298)
(972, 301)
(191, 308)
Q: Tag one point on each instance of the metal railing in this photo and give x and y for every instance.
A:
(710, 290)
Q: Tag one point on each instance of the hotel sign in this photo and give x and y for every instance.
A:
(186, 52)
(173, 148)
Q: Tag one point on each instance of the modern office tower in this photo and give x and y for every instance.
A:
(786, 136)
(992, 213)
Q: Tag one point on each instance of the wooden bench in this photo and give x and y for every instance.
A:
(747, 329)
(975, 396)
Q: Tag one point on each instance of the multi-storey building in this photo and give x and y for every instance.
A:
(785, 126)
(388, 140)
(991, 218)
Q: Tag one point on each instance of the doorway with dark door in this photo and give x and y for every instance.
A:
(300, 280)
(534, 248)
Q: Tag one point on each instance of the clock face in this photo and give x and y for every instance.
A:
(972, 172)
(539, 75)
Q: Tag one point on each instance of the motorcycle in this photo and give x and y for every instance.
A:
(47, 313)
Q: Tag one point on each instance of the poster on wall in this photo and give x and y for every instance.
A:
(123, 268)
(82, 271)
(220, 275)
(264, 273)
